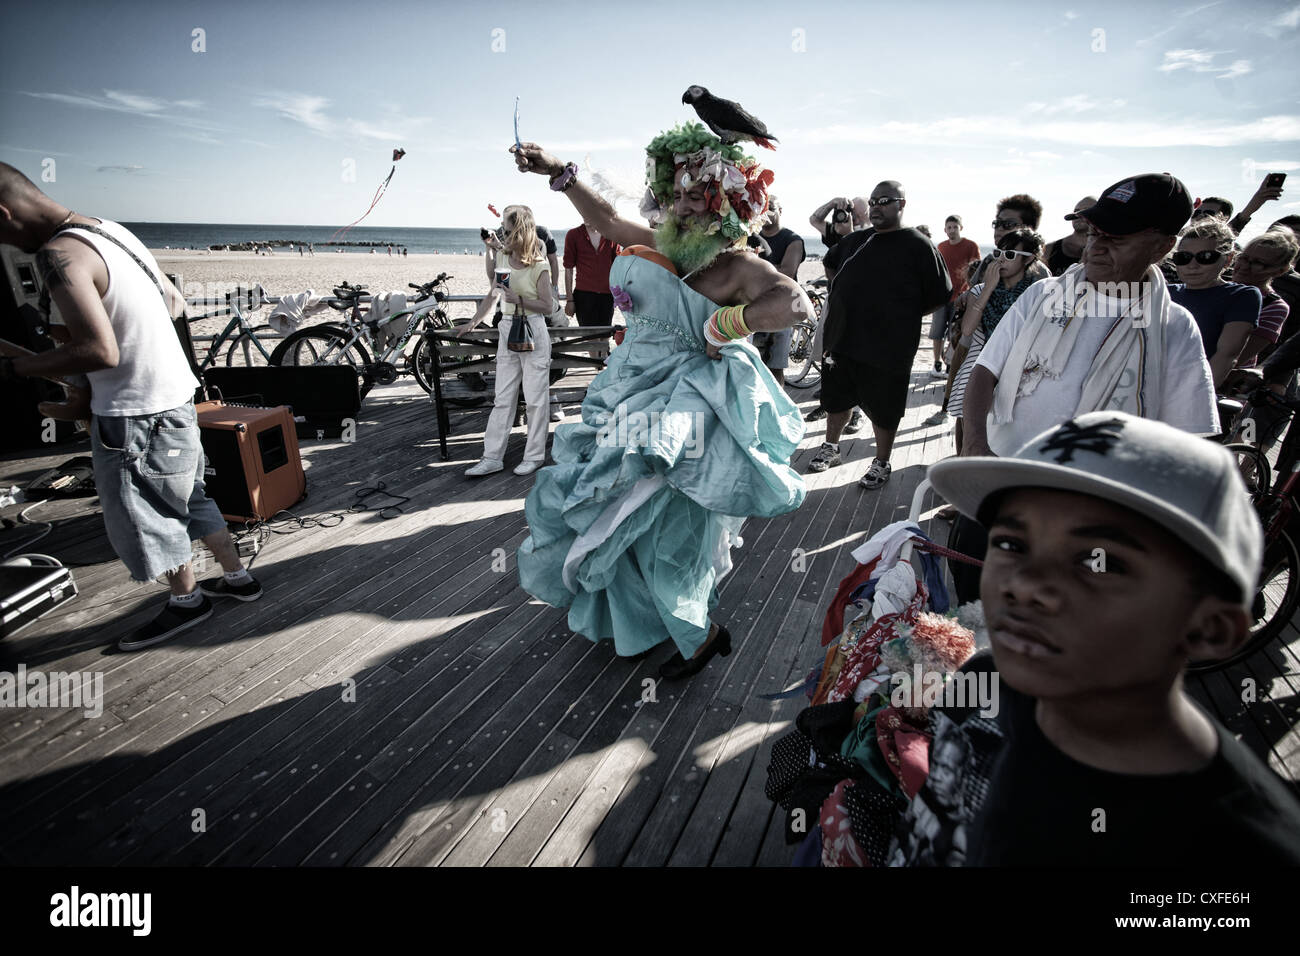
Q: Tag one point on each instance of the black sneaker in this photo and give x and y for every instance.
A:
(167, 625)
(855, 423)
(817, 414)
(220, 587)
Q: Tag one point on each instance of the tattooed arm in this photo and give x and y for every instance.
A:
(76, 278)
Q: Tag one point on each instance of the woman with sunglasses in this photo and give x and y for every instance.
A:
(1012, 268)
(1225, 312)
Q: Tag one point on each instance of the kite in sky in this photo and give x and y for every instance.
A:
(397, 154)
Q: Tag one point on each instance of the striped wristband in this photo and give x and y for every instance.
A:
(726, 325)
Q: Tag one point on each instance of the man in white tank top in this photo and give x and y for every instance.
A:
(117, 310)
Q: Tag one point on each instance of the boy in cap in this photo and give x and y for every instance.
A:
(1119, 548)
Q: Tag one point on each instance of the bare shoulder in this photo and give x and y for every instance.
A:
(65, 258)
(737, 276)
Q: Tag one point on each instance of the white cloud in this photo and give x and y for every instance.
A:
(300, 108)
(1289, 20)
(118, 101)
(1236, 69)
(1078, 103)
(1202, 61)
(1180, 59)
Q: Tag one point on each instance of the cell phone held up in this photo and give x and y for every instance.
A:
(1274, 180)
(483, 234)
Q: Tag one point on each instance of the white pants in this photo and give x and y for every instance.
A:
(533, 369)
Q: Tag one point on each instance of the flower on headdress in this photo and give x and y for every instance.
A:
(621, 298)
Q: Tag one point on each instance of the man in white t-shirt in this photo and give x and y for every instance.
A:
(1103, 335)
(1118, 300)
(117, 310)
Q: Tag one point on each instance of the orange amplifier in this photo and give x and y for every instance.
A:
(253, 466)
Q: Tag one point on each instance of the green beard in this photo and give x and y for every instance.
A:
(690, 248)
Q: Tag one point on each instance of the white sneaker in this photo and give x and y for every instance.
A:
(527, 467)
(557, 413)
(485, 467)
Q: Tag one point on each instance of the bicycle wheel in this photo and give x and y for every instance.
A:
(325, 345)
(1253, 466)
(243, 351)
(801, 349)
(1275, 601)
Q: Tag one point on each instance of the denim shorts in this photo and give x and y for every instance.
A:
(149, 476)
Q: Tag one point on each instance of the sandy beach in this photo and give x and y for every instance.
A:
(210, 273)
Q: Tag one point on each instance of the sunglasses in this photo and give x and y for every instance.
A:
(1206, 257)
(1006, 223)
(883, 200)
(1012, 253)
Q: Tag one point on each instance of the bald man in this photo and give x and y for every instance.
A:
(116, 307)
(881, 292)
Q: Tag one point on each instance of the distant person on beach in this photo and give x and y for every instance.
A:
(873, 321)
(685, 434)
(957, 254)
(522, 280)
(587, 258)
(116, 308)
(784, 249)
(861, 212)
(1065, 252)
(841, 222)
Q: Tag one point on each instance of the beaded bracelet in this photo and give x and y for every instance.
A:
(726, 325)
(566, 178)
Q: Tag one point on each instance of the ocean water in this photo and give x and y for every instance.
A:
(200, 235)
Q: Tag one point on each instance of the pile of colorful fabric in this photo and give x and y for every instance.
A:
(858, 755)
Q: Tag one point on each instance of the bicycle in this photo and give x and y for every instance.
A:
(803, 337)
(1277, 594)
(241, 350)
(357, 338)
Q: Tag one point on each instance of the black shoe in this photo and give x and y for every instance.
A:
(677, 667)
(220, 587)
(816, 414)
(173, 619)
(854, 424)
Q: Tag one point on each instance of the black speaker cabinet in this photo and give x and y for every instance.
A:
(321, 396)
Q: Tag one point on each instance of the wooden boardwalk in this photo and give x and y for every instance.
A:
(397, 698)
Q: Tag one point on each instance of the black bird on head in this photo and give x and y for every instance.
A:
(729, 120)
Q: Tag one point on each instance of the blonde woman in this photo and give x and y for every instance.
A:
(527, 299)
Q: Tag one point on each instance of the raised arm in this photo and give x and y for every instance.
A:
(531, 158)
(818, 219)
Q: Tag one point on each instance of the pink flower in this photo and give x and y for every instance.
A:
(621, 298)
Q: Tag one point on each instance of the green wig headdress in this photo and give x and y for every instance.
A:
(736, 184)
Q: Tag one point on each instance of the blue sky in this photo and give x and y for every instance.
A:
(962, 102)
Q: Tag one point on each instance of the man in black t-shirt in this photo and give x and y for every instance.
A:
(884, 283)
(1119, 548)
